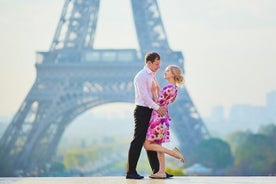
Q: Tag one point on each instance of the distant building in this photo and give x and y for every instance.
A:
(218, 113)
(271, 106)
(248, 116)
(242, 117)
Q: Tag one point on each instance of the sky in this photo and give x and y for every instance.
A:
(229, 46)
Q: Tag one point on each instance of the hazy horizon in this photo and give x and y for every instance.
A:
(229, 46)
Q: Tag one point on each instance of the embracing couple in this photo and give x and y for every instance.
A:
(151, 117)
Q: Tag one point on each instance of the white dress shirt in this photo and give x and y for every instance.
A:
(142, 85)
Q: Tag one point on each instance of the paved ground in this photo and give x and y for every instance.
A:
(122, 180)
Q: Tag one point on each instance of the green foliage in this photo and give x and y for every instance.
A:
(255, 154)
(7, 164)
(268, 130)
(214, 153)
(6, 169)
(57, 167)
(79, 157)
(175, 172)
(236, 138)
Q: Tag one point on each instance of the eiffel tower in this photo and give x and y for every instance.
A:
(73, 77)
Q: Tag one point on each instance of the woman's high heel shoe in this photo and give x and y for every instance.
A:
(158, 176)
(179, 155)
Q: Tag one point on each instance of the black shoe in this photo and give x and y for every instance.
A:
(134, 176)
(168, 175)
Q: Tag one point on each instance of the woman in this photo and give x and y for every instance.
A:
(158, 130)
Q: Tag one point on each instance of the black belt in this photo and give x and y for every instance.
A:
(139, 106)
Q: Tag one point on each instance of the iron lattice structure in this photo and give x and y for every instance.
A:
(73, 77)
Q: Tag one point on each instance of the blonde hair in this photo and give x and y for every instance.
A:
(178, 75)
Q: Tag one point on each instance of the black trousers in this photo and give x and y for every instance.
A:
(141, 119)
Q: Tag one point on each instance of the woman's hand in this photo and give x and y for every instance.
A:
(161, 111)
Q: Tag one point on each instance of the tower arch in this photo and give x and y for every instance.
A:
(73, 76)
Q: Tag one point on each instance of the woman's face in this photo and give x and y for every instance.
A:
(168, 74)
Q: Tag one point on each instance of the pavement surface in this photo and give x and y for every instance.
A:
(146, 180)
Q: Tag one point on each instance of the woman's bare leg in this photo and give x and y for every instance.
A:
(162, 167)
(148, 145)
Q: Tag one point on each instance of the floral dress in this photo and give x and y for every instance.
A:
(158, 130)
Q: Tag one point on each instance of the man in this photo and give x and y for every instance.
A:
(142, 113)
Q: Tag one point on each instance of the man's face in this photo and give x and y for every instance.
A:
(155, 65)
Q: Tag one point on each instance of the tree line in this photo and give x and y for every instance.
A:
(241, 153)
